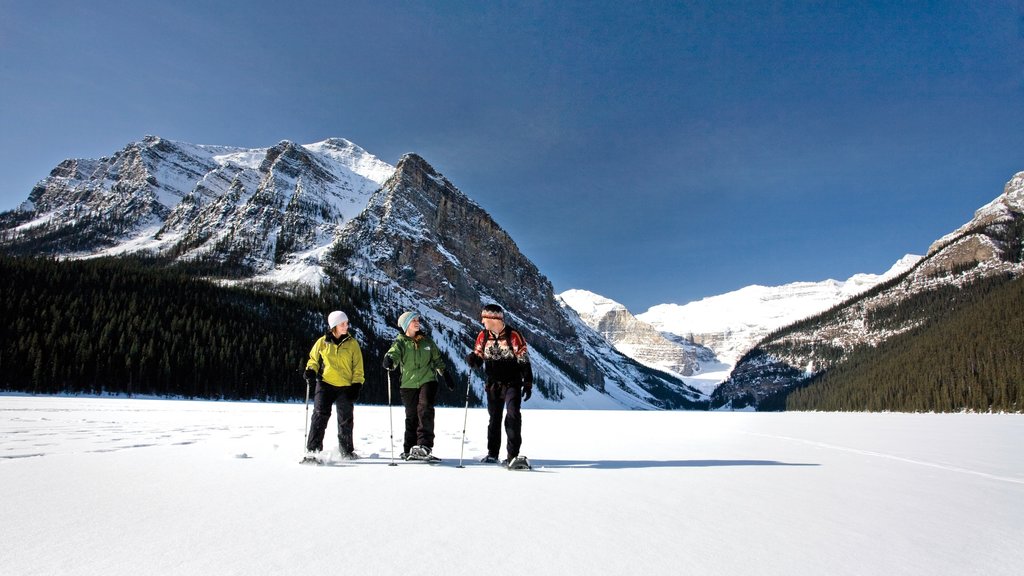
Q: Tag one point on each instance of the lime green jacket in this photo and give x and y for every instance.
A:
(340, 359)
(419, 358)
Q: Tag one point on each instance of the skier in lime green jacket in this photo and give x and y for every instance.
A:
(334, 373)
(419, 359)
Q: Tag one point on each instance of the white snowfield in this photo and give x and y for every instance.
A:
(157, 487)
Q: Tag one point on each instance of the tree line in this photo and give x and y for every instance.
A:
(964, 355)
(137, 326)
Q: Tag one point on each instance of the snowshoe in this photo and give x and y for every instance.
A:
(421, 454)
(489, 459)
(312, 458)
(519, 463)
(349, 456)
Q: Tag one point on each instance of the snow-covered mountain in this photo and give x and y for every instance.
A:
(637, 339)
(990, 244)
(731, 323)
(701, 341)
(284, 213)
(248, 211)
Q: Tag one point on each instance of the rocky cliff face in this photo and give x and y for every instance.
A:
(428, 236)
(991, 243)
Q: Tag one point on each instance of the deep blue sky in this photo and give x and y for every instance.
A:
(651, 152)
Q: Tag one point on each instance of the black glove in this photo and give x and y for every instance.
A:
(448, 382)
(389, 363)
(474, 361)
(527, 391)
(354, 390)
(310, 376)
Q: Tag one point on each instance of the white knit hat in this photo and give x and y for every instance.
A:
(335, 318)
(405, 319)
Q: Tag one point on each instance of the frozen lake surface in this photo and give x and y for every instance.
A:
(130, 486)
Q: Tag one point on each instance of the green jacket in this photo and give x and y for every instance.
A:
(418, 357)
(341, 360)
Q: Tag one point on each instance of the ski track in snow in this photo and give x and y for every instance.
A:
(871, 453)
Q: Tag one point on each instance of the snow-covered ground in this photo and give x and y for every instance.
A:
(127, 487)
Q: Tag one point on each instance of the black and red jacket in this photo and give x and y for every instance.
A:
(506, 357)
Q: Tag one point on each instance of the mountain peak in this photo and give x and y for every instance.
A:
(339, 143)
(587, 303)
(412, 162)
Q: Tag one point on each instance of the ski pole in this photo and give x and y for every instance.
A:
(465, 418)
(306, 433)
(391, 422)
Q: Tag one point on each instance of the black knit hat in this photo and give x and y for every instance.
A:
(493, 311)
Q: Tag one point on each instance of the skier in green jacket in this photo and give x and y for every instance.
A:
(334, 374)
(419, 359)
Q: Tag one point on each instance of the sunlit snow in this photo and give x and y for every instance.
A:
(158, 487)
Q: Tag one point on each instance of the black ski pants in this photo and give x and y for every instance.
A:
(419, 415)
(341, 397)
(509, 398)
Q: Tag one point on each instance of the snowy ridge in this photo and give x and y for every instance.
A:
(1004, 208)
(731, 323)
(275, 210)
(590, 306)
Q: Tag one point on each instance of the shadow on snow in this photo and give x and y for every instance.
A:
(626, 464)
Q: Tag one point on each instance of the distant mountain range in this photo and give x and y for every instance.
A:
(291, 215)
(733, 322)
(707, 337)
(956, 285)
(776, 340)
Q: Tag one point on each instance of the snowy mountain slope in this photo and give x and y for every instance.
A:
(990, 244)
(248, 209)
(637, 339)
(731, 323)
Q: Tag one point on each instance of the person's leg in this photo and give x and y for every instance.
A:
(425, 412)
(321, 415)
(513, 420)
(410, 398)
(346, 422)
(495, 405)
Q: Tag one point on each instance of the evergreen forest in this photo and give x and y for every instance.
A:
(145, 327)
(965, 354)
(133, 326)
